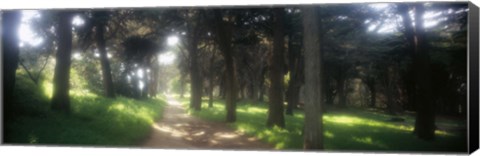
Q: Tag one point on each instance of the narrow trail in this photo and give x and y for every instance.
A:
(179, 130)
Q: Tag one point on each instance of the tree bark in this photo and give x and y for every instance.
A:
(389, 87)
(10, 48)
(410, 89)
(195, 78)
(211, 77)
(261, 85)
(293, 89)
(154, 80)
(252, 92)
(222, 86)
(210, 94)
(422, 95)
(425, 119)
(410, 37)
(329, 94)
(60, 99)
(182, 85)
(241, 90)
(275, 98)
(293, 97)
(146, 84)
(224, 38)
(313, 128)
(373, 92)
(106, 70)
(342, 97)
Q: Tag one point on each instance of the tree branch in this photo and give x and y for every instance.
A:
(28, 72)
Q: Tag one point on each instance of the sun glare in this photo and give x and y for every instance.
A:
(77, 21)
(25, 32)
(77, 56)
(166, 58)
(379, 6)
(172, 40)
(141, 85)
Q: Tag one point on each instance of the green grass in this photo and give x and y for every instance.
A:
(94, 120)
(356, 130)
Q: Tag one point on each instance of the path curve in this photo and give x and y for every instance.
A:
(179, 130)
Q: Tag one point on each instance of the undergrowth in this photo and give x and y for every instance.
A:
(93, 121)
(353, 129)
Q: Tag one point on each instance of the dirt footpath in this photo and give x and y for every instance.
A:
(178, 130)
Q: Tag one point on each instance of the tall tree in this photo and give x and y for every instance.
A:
(415, 35)
(313, 128)
(99, 29)
(60, 99)
(224, 32)
(370, 81)
(425, 118)
(410, 38)
(295, 62)
(193, 27)
(101, 19)
(10, 49)
(211, 76)
(276, 63)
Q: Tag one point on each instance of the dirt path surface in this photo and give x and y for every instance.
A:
(179, 130)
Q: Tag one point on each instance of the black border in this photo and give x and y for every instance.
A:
(473, 41)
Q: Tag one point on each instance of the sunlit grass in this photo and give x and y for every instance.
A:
(94, 120)
(47, 89)
(343, 130)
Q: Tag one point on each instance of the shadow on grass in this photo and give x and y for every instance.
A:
(355, 130)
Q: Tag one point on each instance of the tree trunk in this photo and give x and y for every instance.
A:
(195, 78)
(342, 97)
(60, 99)
(293, 97)
(293, 89)
(182, 85)
(211, 79)
(329, 95)
(224, 38)
(313, 128)
(422, 95)
(252, 92)
(241, 91)
(261, 85)
(10, 43)
(275, 98)
(410, 36)
(154, 80)
(106, 70)
(222, 87)
(146, 84)
(410, 88)
(425, 119)
(373, 92)
(135, 92)
(389, 87)
(231, 88)
(210, 94)
(245, 91)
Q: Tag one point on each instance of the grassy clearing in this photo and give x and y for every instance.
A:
(94, 120)
(356, 130)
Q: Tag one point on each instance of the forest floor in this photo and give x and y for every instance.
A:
(179, 130)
